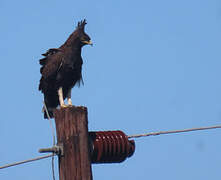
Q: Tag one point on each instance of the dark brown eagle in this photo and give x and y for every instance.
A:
(61, 69)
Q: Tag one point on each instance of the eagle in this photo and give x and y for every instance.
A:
(61, 70)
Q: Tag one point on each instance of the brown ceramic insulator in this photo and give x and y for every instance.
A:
(110, 146)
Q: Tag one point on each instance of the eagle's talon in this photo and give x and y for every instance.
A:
(64, 106)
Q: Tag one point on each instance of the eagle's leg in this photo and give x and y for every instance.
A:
(69, 97)
(61, 98)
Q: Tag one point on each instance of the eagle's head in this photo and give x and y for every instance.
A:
(78, 38)
(83, 37)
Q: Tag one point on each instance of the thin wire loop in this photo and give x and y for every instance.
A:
(53, 134)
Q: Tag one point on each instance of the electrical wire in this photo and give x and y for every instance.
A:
(130, 136)
(26, 161)
(173, 131)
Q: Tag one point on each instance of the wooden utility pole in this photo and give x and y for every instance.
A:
(72, 134)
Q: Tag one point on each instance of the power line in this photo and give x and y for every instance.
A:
(130, 136)
(26, 161)
(173, 131)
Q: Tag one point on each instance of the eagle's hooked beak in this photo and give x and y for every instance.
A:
(88, 42)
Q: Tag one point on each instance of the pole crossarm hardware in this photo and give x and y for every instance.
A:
(57, 149)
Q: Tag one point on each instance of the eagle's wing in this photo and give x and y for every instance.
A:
(52, 64)
(51, 51)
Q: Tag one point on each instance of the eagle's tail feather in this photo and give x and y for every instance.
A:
(49, 112)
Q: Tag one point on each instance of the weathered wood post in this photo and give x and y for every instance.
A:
(72, 134)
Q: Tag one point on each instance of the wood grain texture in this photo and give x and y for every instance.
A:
(72, 132)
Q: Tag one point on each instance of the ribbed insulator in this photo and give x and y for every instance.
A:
(110, 146)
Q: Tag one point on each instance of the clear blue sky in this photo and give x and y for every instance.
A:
(155, 65)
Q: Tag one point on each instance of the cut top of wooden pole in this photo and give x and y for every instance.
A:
(72, 134)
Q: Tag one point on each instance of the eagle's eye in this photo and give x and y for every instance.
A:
(83, 39)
